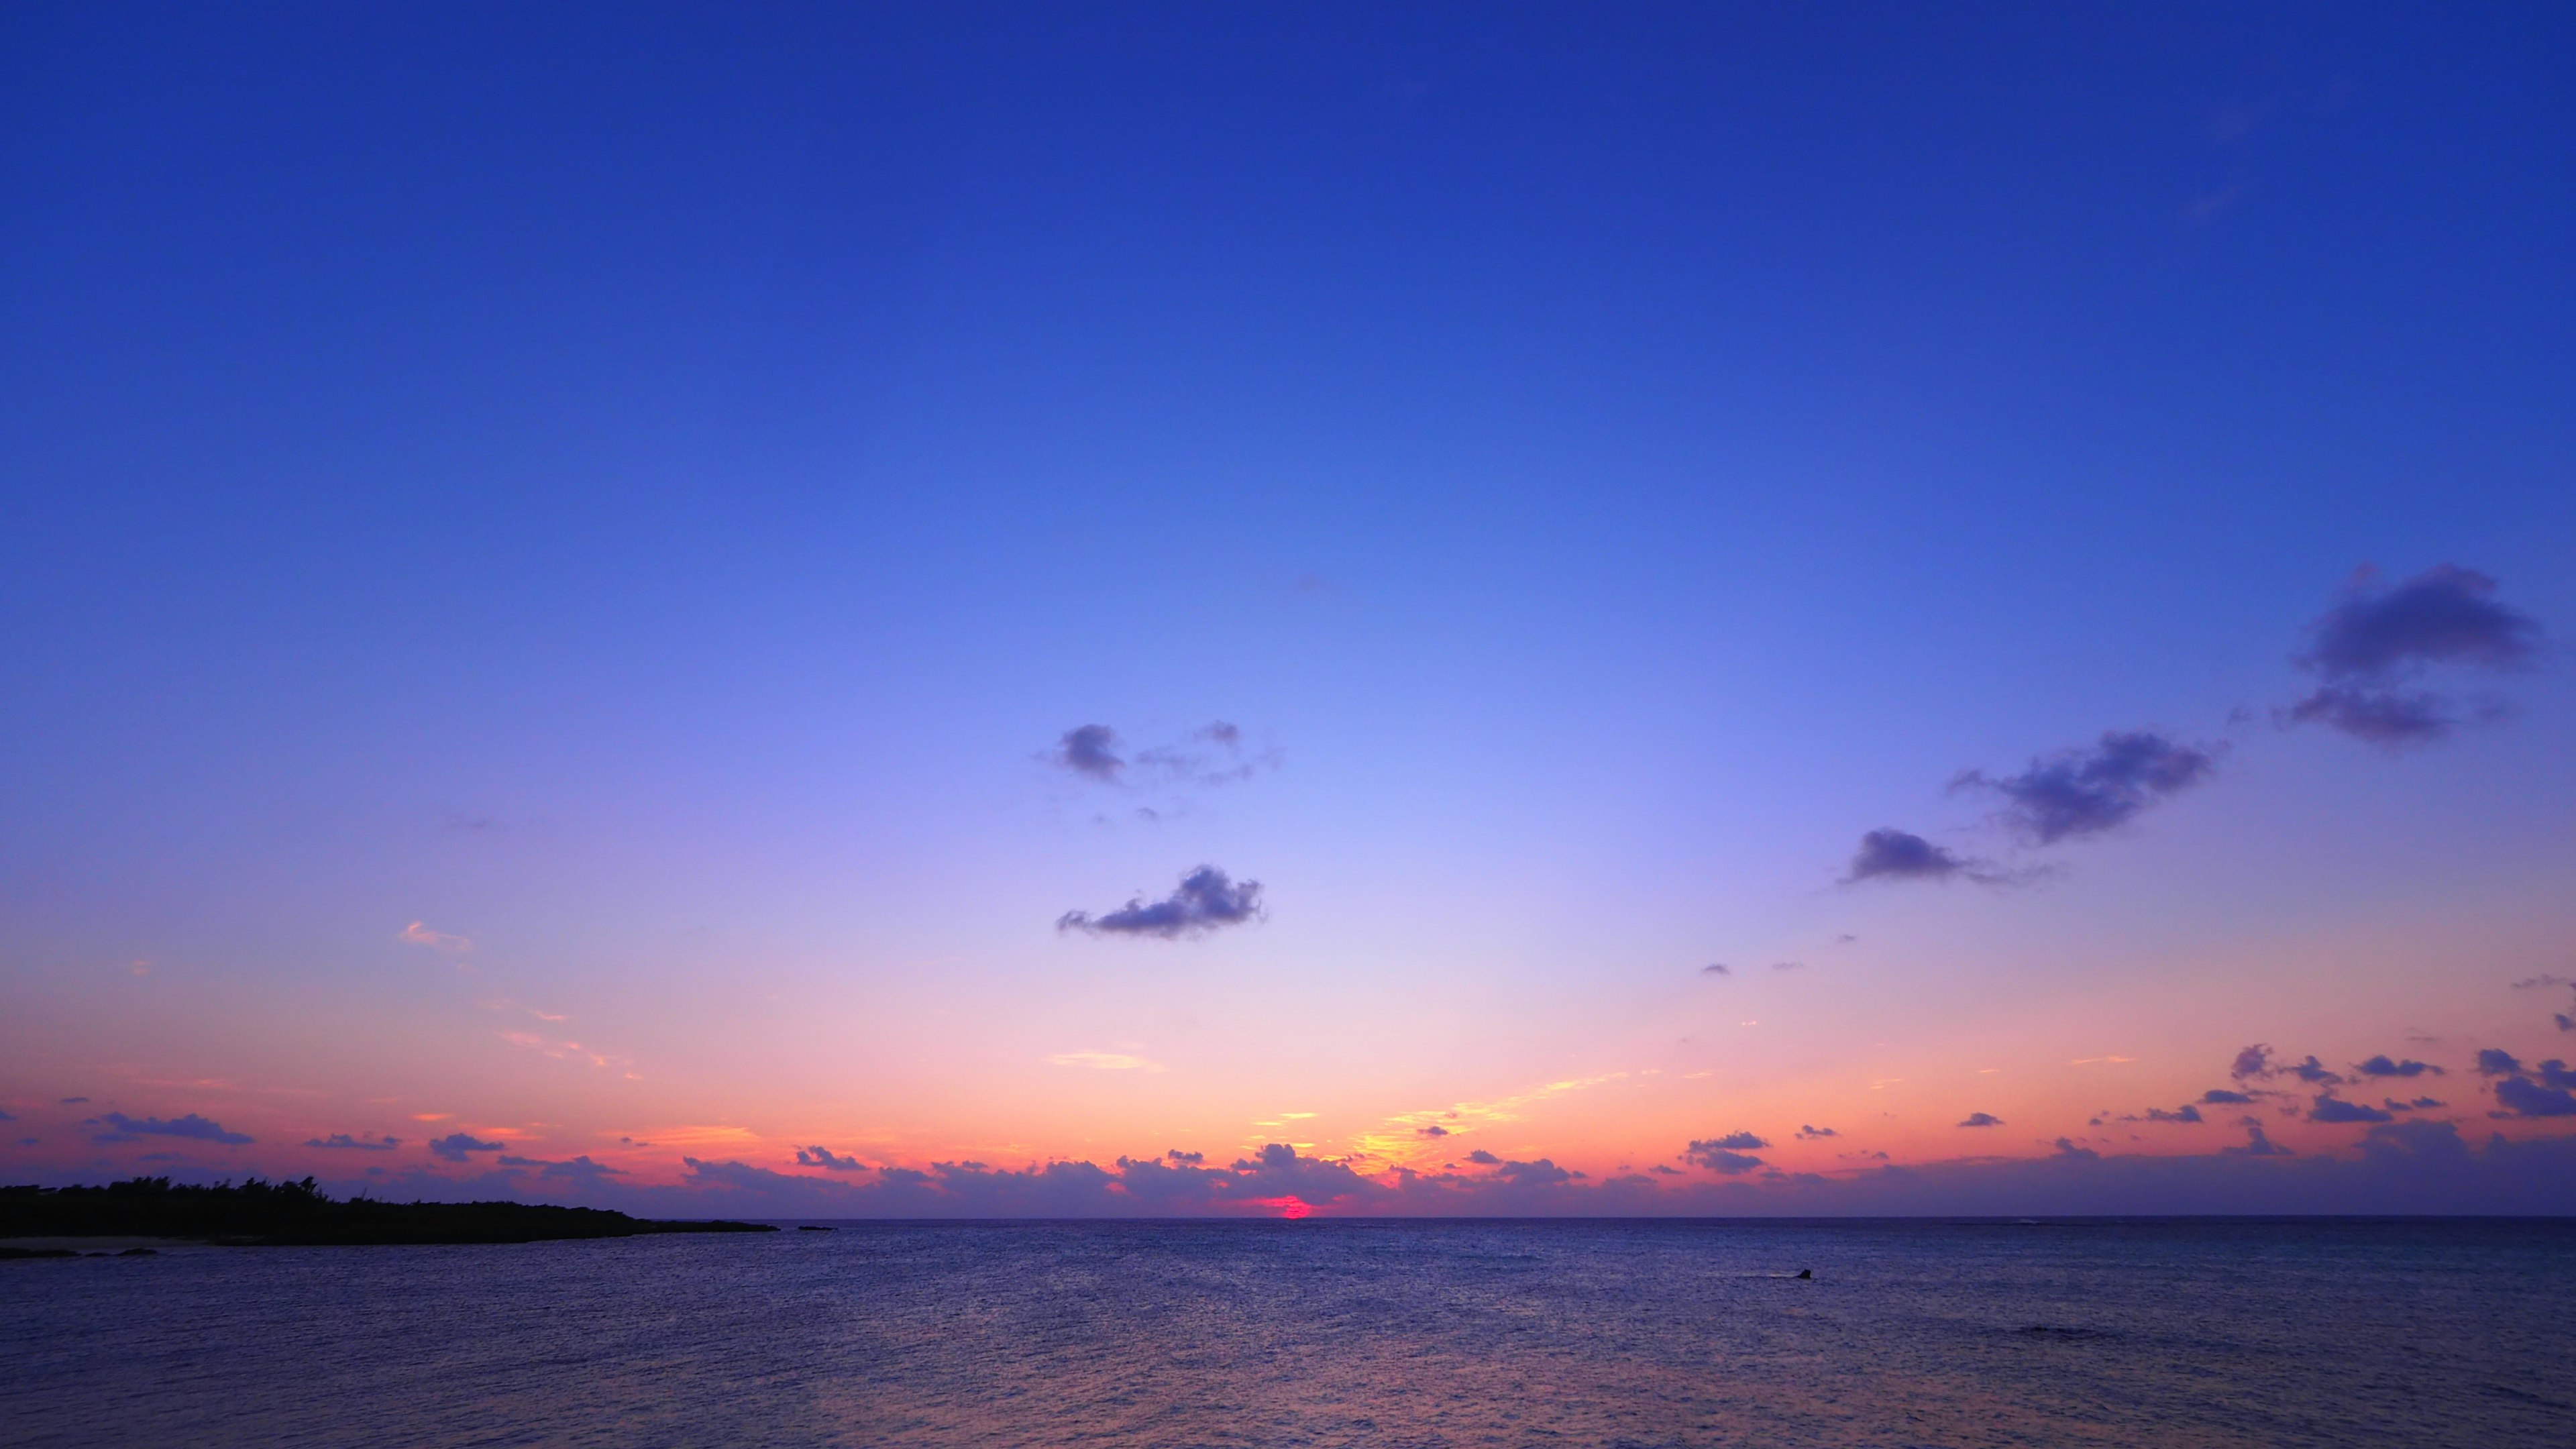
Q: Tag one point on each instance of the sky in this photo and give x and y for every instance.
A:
(878, 610)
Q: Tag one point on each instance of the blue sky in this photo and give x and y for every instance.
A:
(641, 493)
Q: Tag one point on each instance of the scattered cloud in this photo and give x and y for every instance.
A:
(1716, 968)
(1090, 750)
(1808, 1133)
(2183, 1114)
(2331, 1108)
(2221, 1097)
(1204, 901)
(2368, 647)
(827, 1159)
(2381, 1066)
(344, 1141)
(2252, 1063)
(2257, 1145)
(1432, 1130)
(2067, 1148)
(455, 1145)
(2083, 792)
(1726, 1155)
(2314, 1073)
(73, 1101)
(2523, 1097)
(1103, 1062)
(1788, 965)
(1895, 855)
(1213, 754)
(121, 1128)
(1981, 1119)
(420, 935)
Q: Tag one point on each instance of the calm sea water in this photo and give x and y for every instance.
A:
(2342, 1334)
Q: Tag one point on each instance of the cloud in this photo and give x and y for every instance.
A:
(1103, 1062)
(2520, 1095)
(7, 1117)
(358, 1144)
(455, 1145)
(2330, 1108)
(1720, 1154)
(2084, 792)
(1204, 901)
(1090, 750)
(421, 935)
(2257, 1145)
(1542, 1173)
(582, 1169)
(1186, 1159)
(1806, 1132)
(2381, 635)
(1981, 1119)
(2067, 1148)
(1897, 855)
(1210, 755)
(1716, 968)
(193, 1127)
(1433, 1130)
(1488, 1159)
(2253, 1062)
(73, 1101)
(2389, 717)
(2523, 1097)
(2314, 1073)
(1788, 965)
(2220, 1097)
(827, 1159)
(2381, 1066)
(2185, 1113)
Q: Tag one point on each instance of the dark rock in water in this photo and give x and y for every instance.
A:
(140, 1253)
(810, 1228)
(1806, 1272)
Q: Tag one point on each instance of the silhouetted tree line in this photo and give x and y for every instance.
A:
(291, 1213)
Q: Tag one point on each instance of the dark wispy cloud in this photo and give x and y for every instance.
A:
(1204, 901)
(344, 1141)
(455, 1145)
(73, 1101)
(2086, 791)
(2368, 648)
(1213, 754)
(1898, 855)
(2523, 1097)
(2252, 1063)
(2331, 1108)
(1981, 1119)
(2256, 1144)
(2066, 1148)
(1433, 1130)
(121, 1128)
(1726, 1155)
(2186, 1113)
(2381, 1066)
(827, 1159)
(2314, 1072)
(1090, 750)
(1717, 968)
(1805, 1131)
(2221, 1097)
(1483, 1158)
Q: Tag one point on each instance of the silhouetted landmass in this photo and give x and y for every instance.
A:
(280, 1214)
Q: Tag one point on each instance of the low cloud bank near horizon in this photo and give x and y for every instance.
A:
(2403, 1167)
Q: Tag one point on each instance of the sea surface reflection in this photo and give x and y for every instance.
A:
(1316, 1333)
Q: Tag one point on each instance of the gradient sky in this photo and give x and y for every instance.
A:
(555, 557)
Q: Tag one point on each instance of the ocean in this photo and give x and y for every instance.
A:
(2239, 1333)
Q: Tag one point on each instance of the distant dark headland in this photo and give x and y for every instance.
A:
(281, 1214)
